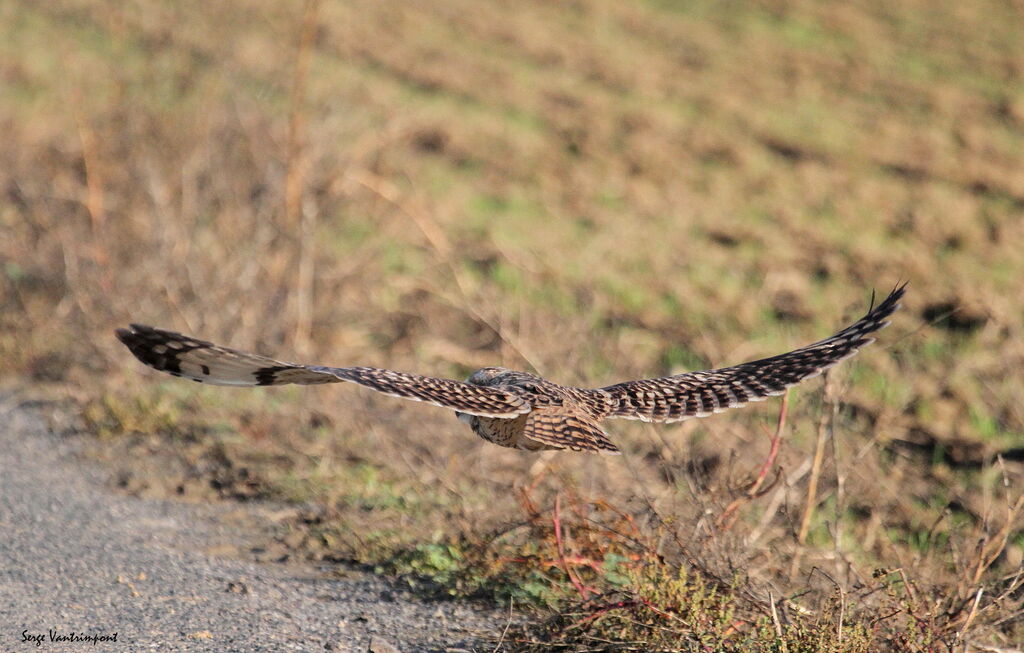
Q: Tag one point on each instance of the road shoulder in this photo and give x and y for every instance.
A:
(80, 560)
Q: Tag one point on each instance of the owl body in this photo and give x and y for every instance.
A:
(541, 394)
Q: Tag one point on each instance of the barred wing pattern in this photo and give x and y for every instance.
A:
(557, 428)
(698, 394)
(448, 393)
(206, 362)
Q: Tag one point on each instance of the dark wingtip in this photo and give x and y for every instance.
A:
(133, 334)
(891, 303)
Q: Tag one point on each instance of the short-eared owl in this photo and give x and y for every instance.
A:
(519, 409)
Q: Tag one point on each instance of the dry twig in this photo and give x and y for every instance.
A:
(300, 217)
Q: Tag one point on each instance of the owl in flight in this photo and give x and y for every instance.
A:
(519, 409)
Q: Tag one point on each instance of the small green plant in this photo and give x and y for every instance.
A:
(112, 415)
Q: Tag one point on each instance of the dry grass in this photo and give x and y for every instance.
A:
(593, 190)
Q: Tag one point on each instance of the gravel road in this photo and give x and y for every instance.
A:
(81, 560)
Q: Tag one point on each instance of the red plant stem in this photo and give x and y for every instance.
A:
(773, 452)
(728, 516)
(556, 521)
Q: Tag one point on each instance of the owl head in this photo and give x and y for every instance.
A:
(485, 375)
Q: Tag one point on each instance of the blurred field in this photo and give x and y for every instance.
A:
(593, 190)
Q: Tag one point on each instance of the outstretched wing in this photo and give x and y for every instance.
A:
(561, 429)
(698, 394)
(206, 362)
